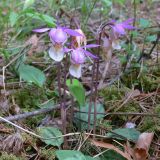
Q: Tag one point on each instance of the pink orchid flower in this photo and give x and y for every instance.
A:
(78, 57)
(119, 29)
(58, 37)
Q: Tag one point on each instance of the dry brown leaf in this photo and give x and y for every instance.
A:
(13, 143)
(4, 104)
(33, 41)
(111, 146)
(142, 146)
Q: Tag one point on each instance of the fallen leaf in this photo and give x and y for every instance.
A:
(33, 41)
(111, 146)
(142, 146)
(4, 104)
(13, 143)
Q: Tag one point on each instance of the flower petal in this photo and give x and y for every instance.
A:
(72, 32)
(66, 50)
(78, 56)
(116, 45)
(41, 30)
(90, 54)
(56, 55)
(129, 27)
(128, 21)
(119, 29)
(58, 35)
(91, 46)
(75, 70)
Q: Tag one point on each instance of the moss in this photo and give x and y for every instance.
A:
(112, 93)
(30, 97)
(151, 124)
(48, 154)
(148, 81)
(7, 156)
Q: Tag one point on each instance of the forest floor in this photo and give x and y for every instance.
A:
(34, 88)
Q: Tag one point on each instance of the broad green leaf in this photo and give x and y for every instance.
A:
(47, 104)
(108, 3)
(28, 3)
(49, 132)
(151, 38)
(128, 133)
(91, 158)
(111, 155)
(144, 23)
(50, 21)
(69, 155)
(77, 91)
(13, 17)
(31, 74)
(84, 116)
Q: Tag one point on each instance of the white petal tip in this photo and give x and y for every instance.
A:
(56, 55)
(116, 45)
(75, 70)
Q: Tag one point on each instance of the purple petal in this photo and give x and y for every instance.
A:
(119, 29)
(130, 20)
(72, 32)
(67, 49)
(129, 27)
(89, 54)
(58, 35)
(91, 46)
(41, 30)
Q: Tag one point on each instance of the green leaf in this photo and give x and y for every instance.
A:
(50, 21)
(49, 132)
(77, 91)
(69, 155)
(28, 3)
(112, 155)
(91, 158)
(84, 116)
(31, 74)
(108, 3)
(151, 38)
(144, 23)
(13, 17)
(47, 104)
(128, 133)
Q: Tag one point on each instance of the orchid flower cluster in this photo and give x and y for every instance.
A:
(78, 53)
(111, 41)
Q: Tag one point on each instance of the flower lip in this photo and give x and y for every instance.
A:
(77, 56)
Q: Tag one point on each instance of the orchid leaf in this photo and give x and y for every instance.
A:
(77, 90)
(81, 118)
(70, 155)
(31, 74)
(13, 17)
(128, 133)
(28, 3)
(50, 132)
